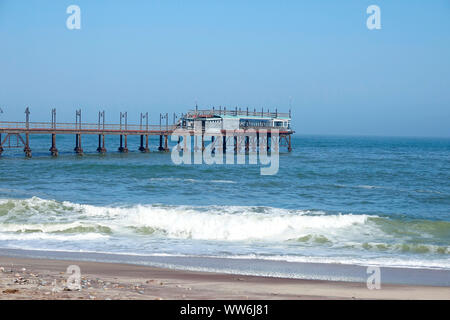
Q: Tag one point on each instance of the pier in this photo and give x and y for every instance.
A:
(17, 134)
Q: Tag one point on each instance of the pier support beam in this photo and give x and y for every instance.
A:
(166, 143)
(123, 148)
(160, 148)
(1, 145)
(289, 144)
(27, 149)
(101, 143)
(142, 148)
(78, 149)
(257, 140)
(53, 149)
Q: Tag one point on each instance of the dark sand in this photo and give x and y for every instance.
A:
(24, 278)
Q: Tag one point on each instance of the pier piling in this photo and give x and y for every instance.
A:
(166, 144)
(160, 148)
(53, 149)
(101, 143)
(142, 148)
(27, 148)
(123, 144)
(78, 149)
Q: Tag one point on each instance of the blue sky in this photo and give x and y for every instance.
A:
(162, 56)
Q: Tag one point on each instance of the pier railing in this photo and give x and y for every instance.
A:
(84, 126)
(221, 112)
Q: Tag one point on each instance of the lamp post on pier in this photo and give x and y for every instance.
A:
(53, 149)
(27, 149)
(123, 148)
(142, 148)
(78, 148)
(101, 137)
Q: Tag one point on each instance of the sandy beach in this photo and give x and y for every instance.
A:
(24, 278)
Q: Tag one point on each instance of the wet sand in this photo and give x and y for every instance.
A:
(24, 278)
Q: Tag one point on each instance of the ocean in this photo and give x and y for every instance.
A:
(336, 200)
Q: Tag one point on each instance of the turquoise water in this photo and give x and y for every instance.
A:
(348, 200)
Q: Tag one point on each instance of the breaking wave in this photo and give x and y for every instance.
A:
(37, 219)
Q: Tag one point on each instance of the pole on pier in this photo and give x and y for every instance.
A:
(54, 118)
(27, 149)
(142, 148)
(123, 148)
(101, 137)
(160, 148)
(53, 149)
(161, 117)
(166, 137)
(78, 149)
